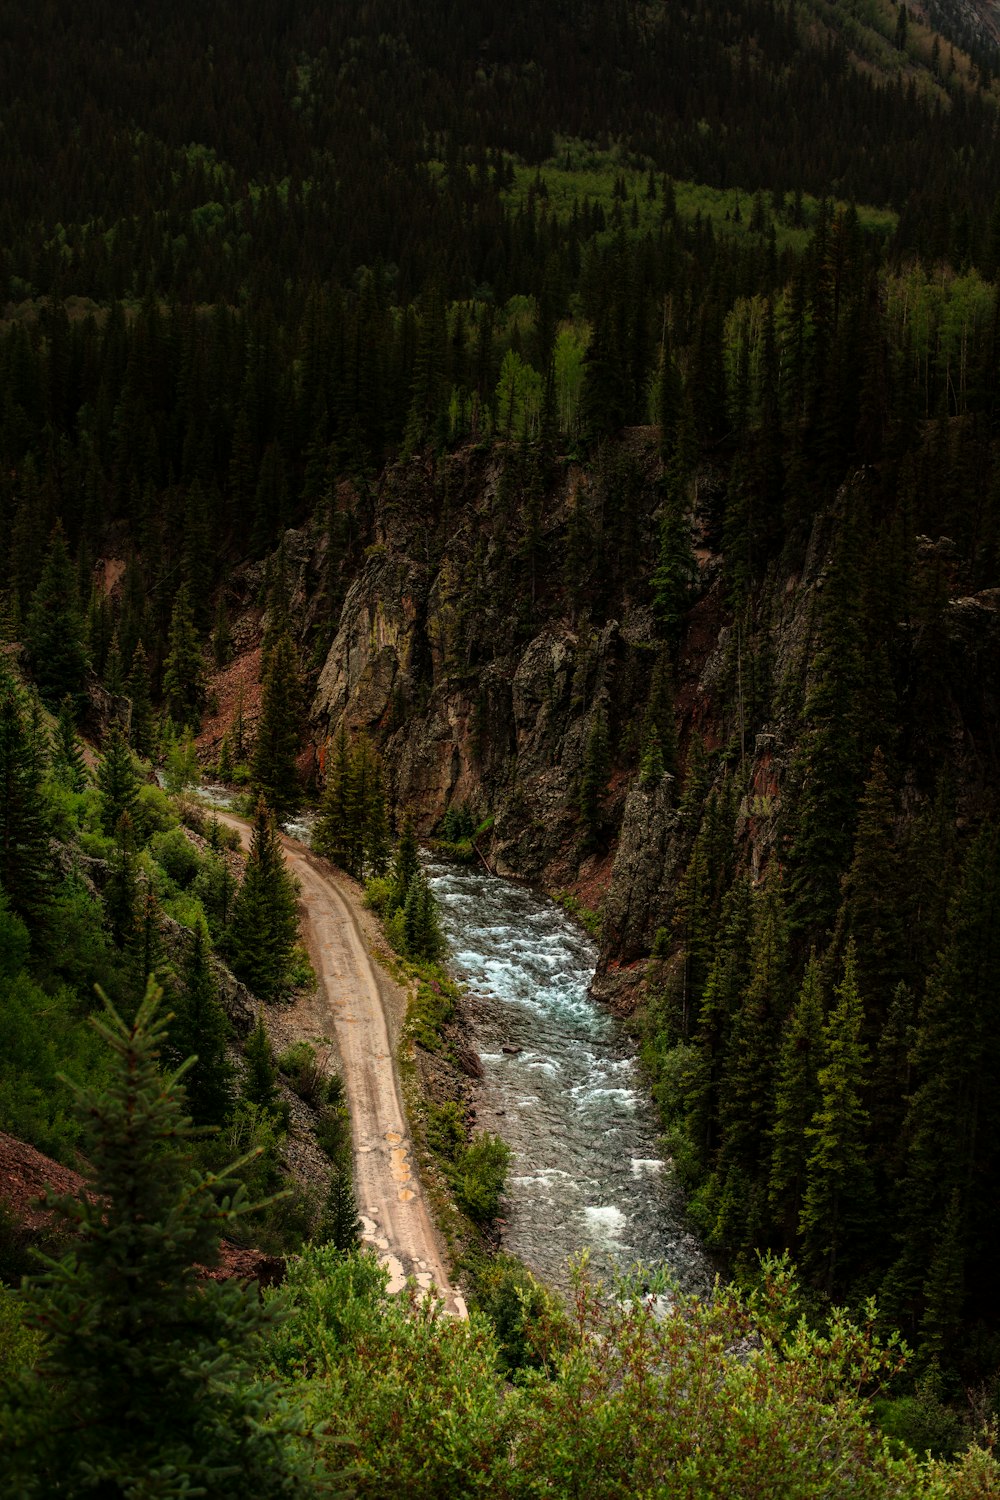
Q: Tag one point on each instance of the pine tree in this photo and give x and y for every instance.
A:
(222, 639)
(953, 1123)
(54, 629)
(746, 1106)
(594, 776)
(264, 926)
(340, 1225)
(405, 865)
(331, 836)
(139, 692)
(184, 668)
(796, 1101)
(658, 737)
(24, 837)
(200, 1027)
(145, 1381)
(874, 899)
(68, 765)
(260, 1079)
(274, 771)
(676, 568)
(118, 781)
(837, 1201)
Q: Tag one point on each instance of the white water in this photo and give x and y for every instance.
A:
(587, 1169)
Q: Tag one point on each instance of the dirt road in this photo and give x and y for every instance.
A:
(348, 1006)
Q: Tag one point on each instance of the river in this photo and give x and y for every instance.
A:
(567, 1096)
(570, 1101)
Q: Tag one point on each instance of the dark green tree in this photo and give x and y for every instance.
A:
(145, 1382)
(200, 1027)
(54, 629)
(24, 838)
(260, 1078)
(184, 668)
(340, 1225)
(405, 865)
(676, 568)
(274, 771)
(594, 774)
(139, 692)
(953, 1124)
(68, 765)
(837, 1198)
(797, 1100)
(332, 834)
(264, 925)
(118, 780)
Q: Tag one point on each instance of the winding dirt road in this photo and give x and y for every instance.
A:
(349, 1007)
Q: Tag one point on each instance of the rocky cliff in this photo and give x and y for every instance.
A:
(473, 651)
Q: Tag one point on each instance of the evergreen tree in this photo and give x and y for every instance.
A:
(200, 1027)
(139, 692)
(260, 1078)
(658, 737)
(184, 668)
(421, 928)
(264, 925)
(222, 639)
(24, 839)
(332, 833)
(405, 865)
(837, 1201)
(54, 629)
(746, 1105)
(118, 780)
(68, 765)
(145, 1381)
(676, 568)
(953, 1124)
(874, 900)
(274, 772)
(340, 1225)
(113, 672)
(594, 776)
(796, 1101)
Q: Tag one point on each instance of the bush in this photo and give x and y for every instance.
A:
(154, 813)
(479, 1176)
(333, 1134)
(305, 1073)
(176, 854)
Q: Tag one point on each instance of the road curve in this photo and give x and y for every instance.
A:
(349, 1008)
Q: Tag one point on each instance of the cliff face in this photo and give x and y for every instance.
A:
(481, 674)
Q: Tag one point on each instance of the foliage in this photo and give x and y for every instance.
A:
(144, 1378)
(263, 926)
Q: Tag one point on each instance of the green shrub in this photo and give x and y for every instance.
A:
(176, 854)
(154, 813)
(479, 1176)
(333, 1134)
(303, 1069)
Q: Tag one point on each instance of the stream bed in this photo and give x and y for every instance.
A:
(570, 1101)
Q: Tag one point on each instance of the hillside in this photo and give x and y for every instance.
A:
(572, 434)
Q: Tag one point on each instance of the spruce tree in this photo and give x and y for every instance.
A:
(264, 925)
(837, 1200)
(594, 776)
(54, 629)
(405, 865)
(145, 1383)
(260, 1077)
(118, 780)
(953, 1123)
(138, 690)
(200, 1027)
(331, 836)
(184, 668)
(340, 1225)
(796, 1101)
(676, 568)
(274, 771)
(24, 838)
(68, 765)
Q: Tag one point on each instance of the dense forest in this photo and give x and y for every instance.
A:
(576, 428)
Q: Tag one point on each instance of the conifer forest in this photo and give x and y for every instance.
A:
(561, 441)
